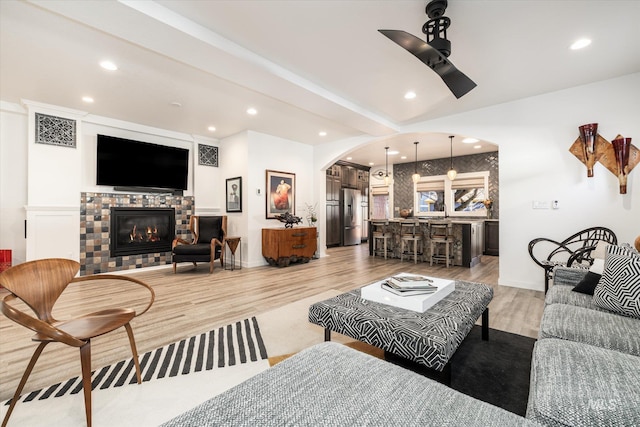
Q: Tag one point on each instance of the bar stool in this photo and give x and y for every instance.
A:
(380, 235)
(440, 234)
(410, 233)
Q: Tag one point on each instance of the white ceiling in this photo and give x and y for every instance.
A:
(306, 66)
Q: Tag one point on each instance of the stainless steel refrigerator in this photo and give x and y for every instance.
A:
(351, 217)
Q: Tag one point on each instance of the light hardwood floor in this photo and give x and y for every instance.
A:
(194, 301)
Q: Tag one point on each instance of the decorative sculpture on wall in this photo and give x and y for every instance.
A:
(589, 146)
(588, 137)
(620, 156)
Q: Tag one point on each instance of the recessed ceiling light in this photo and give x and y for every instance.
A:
(470, 140)
(211, 128)
(322, 133)
(371, 163)
(579, 44)
(87, 99)
(252, 111)
(108, 65)
(403, 157)
(410, 95)
(393, 152)
(176, 104)
(477, 146)
(349, 158)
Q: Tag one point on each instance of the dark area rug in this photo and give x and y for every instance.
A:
(495, 371)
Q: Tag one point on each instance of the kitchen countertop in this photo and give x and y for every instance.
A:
(425, 220)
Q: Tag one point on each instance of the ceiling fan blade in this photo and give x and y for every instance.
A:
(456, 80)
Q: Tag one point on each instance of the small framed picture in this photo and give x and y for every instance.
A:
(234, 194)
(281, 193)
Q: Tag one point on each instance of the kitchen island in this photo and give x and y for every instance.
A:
(468, 238)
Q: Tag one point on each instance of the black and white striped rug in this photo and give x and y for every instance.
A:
(237, 343)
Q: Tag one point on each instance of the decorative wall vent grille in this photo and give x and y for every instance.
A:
(207, 155)
(54, 130)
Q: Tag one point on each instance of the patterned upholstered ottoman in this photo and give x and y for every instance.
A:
(429, 339)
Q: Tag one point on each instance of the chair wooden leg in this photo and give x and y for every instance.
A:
(431, 254)
(134, 351)
(174, 267)
(85, 361)
(446, 251)
(23, 381)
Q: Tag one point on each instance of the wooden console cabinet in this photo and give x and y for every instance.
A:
(282, 246)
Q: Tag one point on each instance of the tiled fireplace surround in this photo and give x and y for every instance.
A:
(95, 220)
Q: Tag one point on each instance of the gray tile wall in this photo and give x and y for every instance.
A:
(95, 220)
(403, 185)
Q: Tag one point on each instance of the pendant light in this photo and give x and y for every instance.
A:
(416, 176)
(386, 166)
(452, 172)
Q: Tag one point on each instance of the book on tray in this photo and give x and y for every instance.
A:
(406, 292)
(410, 282)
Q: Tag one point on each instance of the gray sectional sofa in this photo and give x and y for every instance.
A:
(585, 372)
(333, 385)
(585, 368)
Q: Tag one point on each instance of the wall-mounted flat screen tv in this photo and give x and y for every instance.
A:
(127, 163)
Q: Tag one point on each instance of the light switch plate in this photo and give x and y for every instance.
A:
(540, 204)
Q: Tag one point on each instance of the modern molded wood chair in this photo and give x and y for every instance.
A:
(39, 284)
(209, 234)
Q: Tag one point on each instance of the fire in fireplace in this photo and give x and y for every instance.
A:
(141, 230)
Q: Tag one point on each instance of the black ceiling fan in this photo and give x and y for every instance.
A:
(436, 49)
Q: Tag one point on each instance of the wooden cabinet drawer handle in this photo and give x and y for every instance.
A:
(299, 234)
(298, 246)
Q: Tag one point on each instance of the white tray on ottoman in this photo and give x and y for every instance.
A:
(419, 303)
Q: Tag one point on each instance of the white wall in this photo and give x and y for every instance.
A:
(273, 153)
(53, 188)
(208, 194)
(13, 180)
(534, 136)
(234, 162)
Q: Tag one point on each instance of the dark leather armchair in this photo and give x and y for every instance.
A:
(207, 245)
(573, 251)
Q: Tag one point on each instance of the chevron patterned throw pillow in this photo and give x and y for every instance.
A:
(619, 287)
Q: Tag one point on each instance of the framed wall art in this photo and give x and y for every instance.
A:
(234, 194)
(280, 193)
